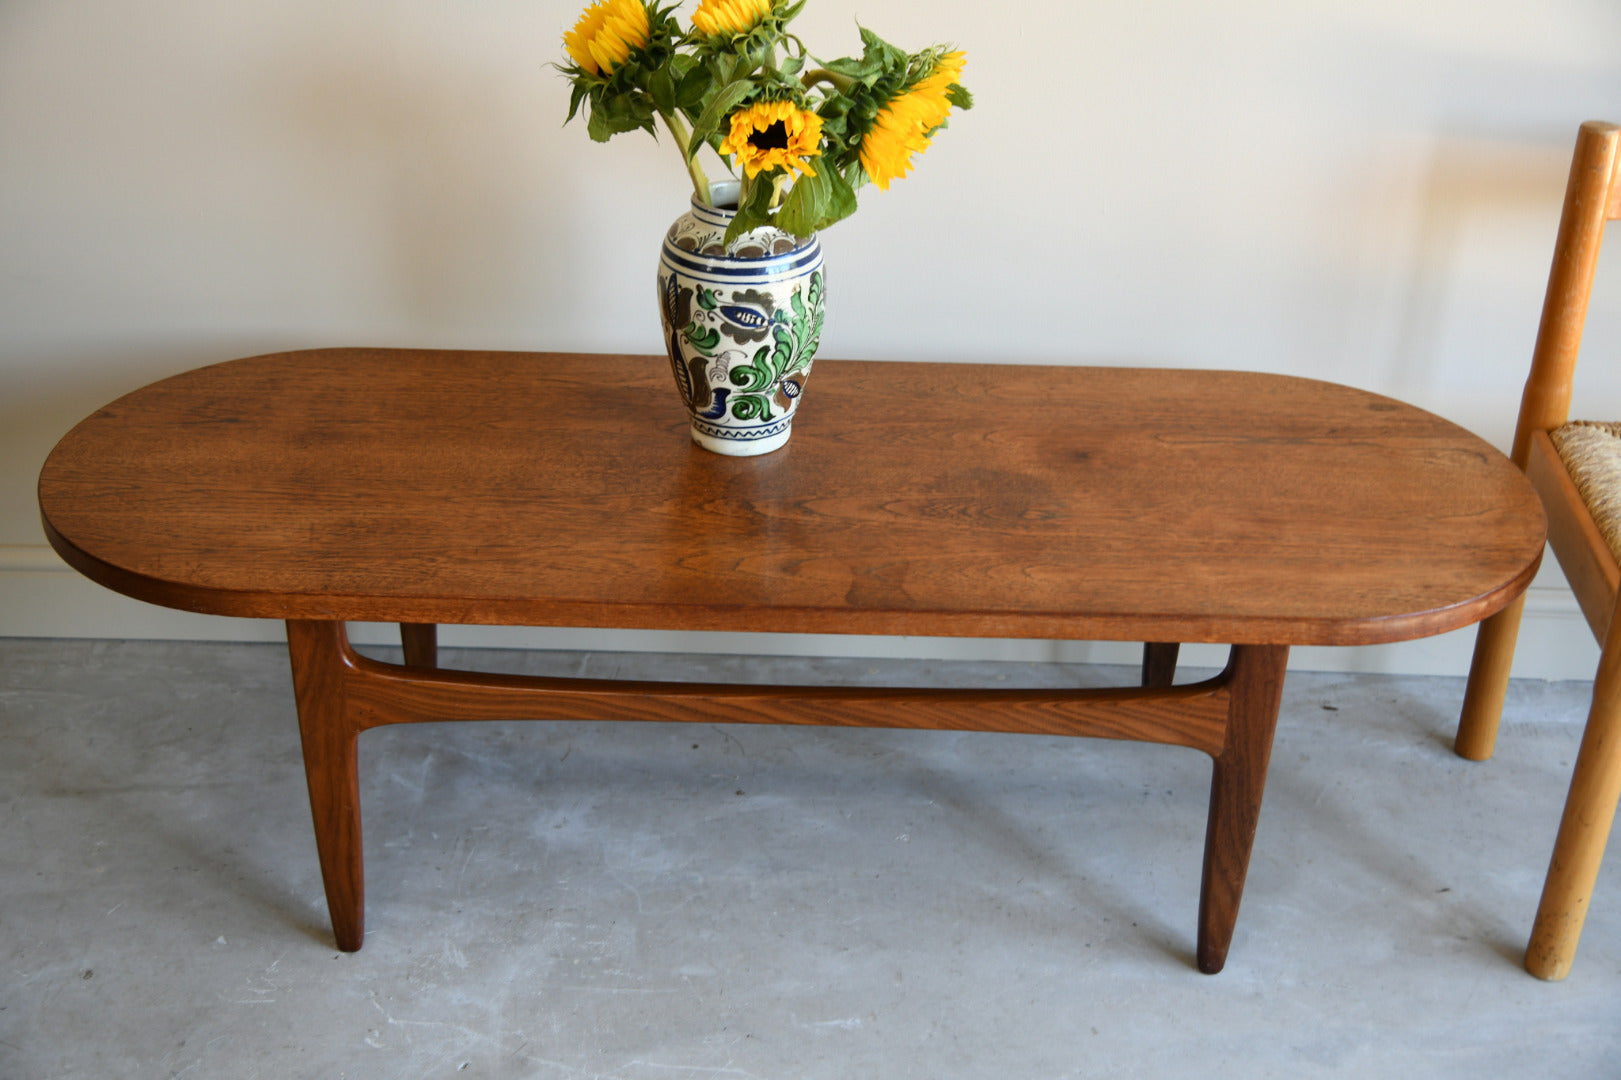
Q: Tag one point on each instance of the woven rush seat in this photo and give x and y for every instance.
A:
(1591, 451)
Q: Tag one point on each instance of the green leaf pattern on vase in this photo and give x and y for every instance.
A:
(742, 322)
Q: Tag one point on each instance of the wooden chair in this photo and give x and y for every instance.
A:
(1576, 468)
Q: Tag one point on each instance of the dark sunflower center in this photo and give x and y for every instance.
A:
(774, 137)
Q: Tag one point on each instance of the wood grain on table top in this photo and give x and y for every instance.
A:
(938, 499)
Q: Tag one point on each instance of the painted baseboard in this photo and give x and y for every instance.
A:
(40, 596)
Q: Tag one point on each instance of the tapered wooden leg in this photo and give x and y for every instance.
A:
(1595, 788)
(1239, 778)
(1488, 682)
(1159, 663)
(421, 642)
(319, 656)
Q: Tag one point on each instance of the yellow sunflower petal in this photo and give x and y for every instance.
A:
(949, 66)
(886, 151)
(929, 95)
(606, 33)
(773, 135)
(903, 124)
(716, 18)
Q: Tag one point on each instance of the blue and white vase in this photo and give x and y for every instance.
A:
(741, 324)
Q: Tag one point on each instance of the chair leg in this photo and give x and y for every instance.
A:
(1585, 828)
(1488, 682)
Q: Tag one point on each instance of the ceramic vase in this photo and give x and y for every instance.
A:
(741, 325)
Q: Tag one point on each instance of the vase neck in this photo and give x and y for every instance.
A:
(722, 207)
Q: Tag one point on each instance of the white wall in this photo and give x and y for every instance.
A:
(1358, 190)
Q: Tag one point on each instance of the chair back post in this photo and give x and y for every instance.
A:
(1592, 196)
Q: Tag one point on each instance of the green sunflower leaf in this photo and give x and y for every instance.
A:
(849, 68)
(693, 86)
(806, 204)
(576, 95)
(755, 210)
(876, 48)
(841, 200)
(599, 127)
(726, 98)
(661, 89)
(959, 96)
(815, 202)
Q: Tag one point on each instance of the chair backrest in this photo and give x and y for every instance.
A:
(1592, 197)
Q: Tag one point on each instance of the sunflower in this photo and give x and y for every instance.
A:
(903, 125)
(886, 150)
(606, 33)
(774, 135)
(729, 18)
(930, 92)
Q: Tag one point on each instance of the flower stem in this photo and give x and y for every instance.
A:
(682, 136)
(841, 83)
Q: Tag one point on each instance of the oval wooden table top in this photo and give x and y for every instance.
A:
(937, 499)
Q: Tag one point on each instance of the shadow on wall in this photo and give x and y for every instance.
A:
(1472, 182)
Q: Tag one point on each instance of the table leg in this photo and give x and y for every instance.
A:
(421, 642)
(1236, 786)
(1159, 663)
(340, 693)
(320, 671)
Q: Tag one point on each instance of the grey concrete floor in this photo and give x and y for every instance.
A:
(663, 901)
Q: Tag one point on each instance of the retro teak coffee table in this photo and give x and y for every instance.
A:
(1157, 506)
